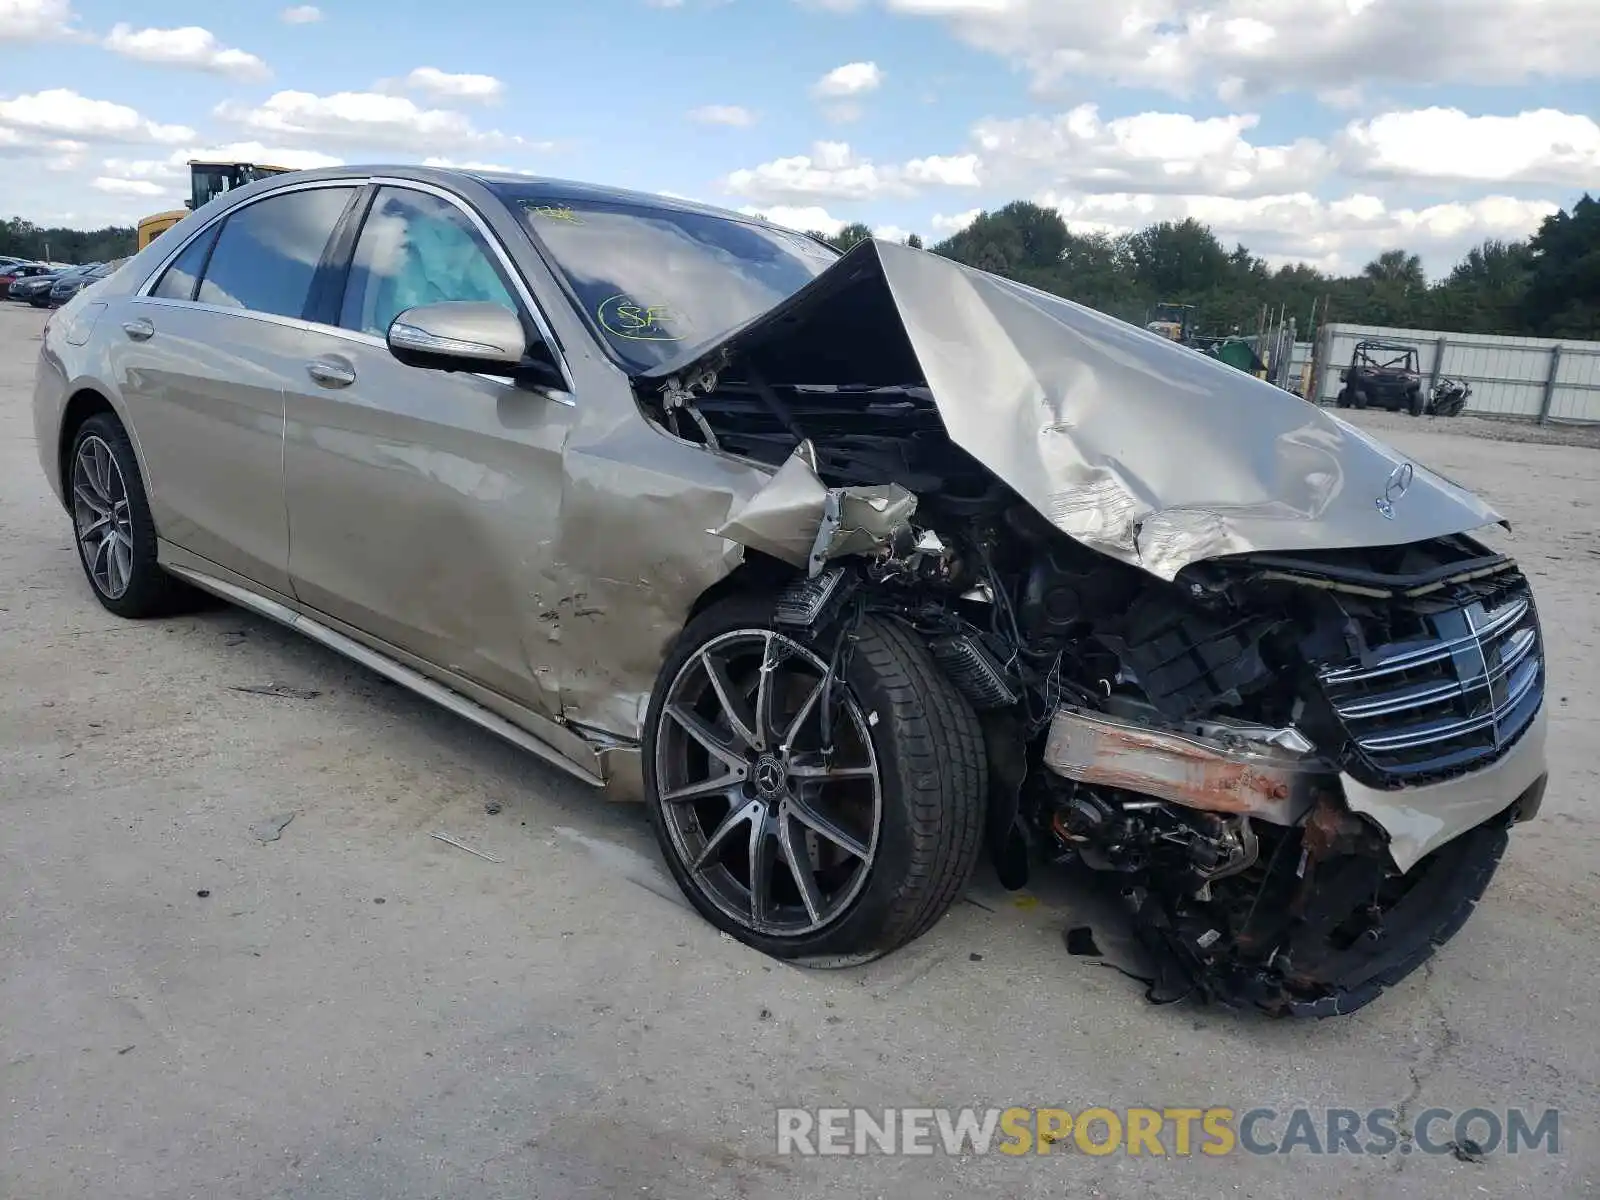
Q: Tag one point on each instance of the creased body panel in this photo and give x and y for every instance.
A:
(1135, 446)
(1143, 449)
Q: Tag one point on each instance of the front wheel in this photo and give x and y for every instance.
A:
(827, 845)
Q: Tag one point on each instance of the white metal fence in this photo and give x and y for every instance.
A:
(1543, 379)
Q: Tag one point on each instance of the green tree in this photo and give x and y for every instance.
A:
(851, 235)
(1563, 298)
(914, 241)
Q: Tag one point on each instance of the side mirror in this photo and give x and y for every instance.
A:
(461, 335)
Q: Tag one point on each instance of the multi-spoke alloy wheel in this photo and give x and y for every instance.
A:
(100, 517)
(826, 818)
(111, 523)
(777, 818)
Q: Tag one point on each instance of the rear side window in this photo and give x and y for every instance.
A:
(268, 251)
(183, 275)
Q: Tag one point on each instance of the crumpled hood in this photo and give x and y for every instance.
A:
(1140, 448)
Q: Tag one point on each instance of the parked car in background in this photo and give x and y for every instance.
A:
(12, 272)
(35, 289)
(70, 283)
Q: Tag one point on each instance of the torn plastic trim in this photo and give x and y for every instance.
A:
(799, 520)
(1419, 819)
(1241, 770)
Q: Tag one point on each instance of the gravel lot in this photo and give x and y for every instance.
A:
(358, 1010)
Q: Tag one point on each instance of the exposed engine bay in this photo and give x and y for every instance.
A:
(1203, 743)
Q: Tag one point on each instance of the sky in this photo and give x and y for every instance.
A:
(1317, 131)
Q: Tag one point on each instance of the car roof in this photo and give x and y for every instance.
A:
(554, 190)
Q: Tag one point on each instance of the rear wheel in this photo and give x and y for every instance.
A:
(827, 844)
(1358, 395)
(112, 526)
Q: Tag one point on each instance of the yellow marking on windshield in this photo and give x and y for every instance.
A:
(555, 212)
(625, 317)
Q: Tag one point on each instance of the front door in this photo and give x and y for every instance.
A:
(423, 505)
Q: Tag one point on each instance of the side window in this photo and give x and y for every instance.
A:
(268, 251)
(183, 275)
(417, 249)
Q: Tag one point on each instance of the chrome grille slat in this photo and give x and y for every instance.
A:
(1499, 620)
(1442, 731)
(1433, 707)
(1516, 649)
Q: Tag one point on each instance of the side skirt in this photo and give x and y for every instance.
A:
(198, 571)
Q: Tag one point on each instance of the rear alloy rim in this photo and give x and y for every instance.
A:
(778, 833)
(100, 517)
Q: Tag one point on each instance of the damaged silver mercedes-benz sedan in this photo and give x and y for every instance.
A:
(849, 565)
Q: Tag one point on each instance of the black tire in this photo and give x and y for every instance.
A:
(1343, 398)
(1358, 396)
(1417, 401)
(150, 591)
(933, 786)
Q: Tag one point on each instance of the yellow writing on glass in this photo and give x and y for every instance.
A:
(555, 212)
(627, 318)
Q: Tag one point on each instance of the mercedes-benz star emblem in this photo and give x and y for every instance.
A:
(1398, 485)
(770, 777)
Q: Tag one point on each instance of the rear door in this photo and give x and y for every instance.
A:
(424, 505)
(203, 360)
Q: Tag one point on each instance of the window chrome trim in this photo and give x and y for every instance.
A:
(566, 395)
(143, 291)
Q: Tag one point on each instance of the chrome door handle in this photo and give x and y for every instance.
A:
(139, 329)
(330, 374)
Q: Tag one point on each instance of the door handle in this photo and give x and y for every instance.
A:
(331, 374)
(139, 329)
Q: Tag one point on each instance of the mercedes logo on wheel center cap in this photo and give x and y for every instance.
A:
(770, 777)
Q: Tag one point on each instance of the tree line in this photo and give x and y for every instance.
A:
(24, 239)
(1546, 286)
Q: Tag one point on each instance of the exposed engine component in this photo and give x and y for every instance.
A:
(973, 669)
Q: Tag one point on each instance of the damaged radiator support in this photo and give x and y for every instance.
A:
(1221, 768)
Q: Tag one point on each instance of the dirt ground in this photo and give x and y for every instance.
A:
(358, 1010)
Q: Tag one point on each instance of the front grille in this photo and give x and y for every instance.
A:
(1452, 698)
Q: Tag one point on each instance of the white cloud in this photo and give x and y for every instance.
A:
(1254, 46)
(34, 20)
(955, 223)
(441, 85)
(302, 14)
(891, 233)
(1339, 235)
(128, 187)
(804, 218)
(366, 119)
(60, 111)
(189, 46)
(833, 171)
(450, 164)
(852, 79)
(1151, 151)
(732, 115)
(1541, 146)
(961, 170)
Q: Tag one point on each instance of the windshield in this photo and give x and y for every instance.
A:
(657, 281)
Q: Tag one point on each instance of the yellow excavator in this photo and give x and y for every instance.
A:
(207, 180)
